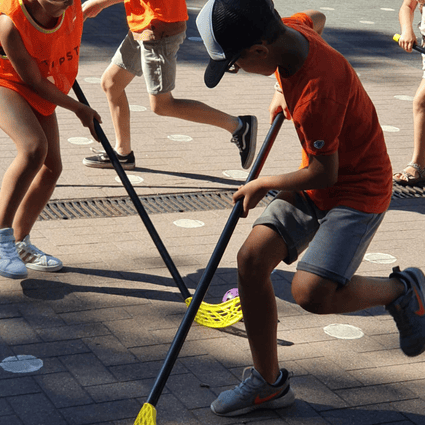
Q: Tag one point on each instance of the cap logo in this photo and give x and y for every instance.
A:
(318, 144)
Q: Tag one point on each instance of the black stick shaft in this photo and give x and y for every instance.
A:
(136, 201)
(211, 268)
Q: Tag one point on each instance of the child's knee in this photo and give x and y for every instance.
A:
(313, 293)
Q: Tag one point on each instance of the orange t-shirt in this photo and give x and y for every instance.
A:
(140, 13)
(332, 113)
(55, 50)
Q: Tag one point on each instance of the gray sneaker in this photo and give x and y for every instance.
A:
(254, 393)
(36, 259)
(246, 139)
(11, 265)
(408, 311)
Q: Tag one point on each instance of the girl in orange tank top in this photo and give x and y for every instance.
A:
(39, 49)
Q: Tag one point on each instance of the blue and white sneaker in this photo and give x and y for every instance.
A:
(408, 311)
(36, 259)
(11, 265)
(254, 393)
(245, 138)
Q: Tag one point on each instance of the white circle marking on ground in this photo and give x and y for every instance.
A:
(92, 80)
(390, 129)
(404, 97)
(188, 223)
(340, 331)
(133, 179)
(236, 174)
(137, 108)
(80, 140)
(197, 39)
(379, 258)
(180, 138)
(388, 9)
(327, 8)
(21, 364)
(367, 22)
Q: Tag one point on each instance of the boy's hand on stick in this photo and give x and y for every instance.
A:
(407, 40)
(87, 116)
(252, 193)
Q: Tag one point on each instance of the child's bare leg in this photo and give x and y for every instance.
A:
(418, 156)
(114, 82)
(19, 122)
(192, 110)
(322, 296)
(44, 183)
(258, 298)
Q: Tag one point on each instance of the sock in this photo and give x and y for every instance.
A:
(239, 126)
(279, 378)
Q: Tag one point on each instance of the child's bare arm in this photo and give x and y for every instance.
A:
(28, 71)
(321, 172)
(406, 13)
(92, 8)
(318, 18)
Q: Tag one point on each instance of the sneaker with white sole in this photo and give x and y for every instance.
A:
(408, 311)
(245, 138)
(102, 160)
(254, 393)
(11, 265)
(36, 259)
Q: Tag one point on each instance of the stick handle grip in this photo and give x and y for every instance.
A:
(420, 49)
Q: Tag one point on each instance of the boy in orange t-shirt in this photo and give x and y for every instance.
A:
(331, 207)
(39, 53)
(157, 29)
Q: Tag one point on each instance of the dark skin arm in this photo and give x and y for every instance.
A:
(321, 172)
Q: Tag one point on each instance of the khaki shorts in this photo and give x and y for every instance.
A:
(156, 60)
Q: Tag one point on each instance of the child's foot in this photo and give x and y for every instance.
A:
(254, 393)
(102, 160)
(11, 265)
(408, 311)
(36, 259)
(245, 139)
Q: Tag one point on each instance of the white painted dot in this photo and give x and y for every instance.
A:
(327, 8)
(390, 129)
(388, 9)
(80, 140)
(92, 80)
(367, 22)
(404, 97)
(379, 258)
(137, 108)
(197, 39)
(188, 223)
(133, 179)
(21, 364)
(236, 174)
(180, 138)
(341, 331)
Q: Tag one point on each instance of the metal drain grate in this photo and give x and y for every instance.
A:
(160, 204)
(157, 204)
(400, 192)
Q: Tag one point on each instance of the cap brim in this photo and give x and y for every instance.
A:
(215, 71)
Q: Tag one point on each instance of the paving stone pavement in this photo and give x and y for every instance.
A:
(102, 326)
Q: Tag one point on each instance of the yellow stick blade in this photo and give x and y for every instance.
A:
(146, 416)
(218, 315)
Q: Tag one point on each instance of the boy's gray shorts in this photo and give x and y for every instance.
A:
(155, 59)
(335, 241)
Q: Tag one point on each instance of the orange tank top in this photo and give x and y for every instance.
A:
(55, 50)
(140, 13)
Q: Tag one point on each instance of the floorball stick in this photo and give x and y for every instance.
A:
(210, 315)
(147, 414)
(420, 49)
